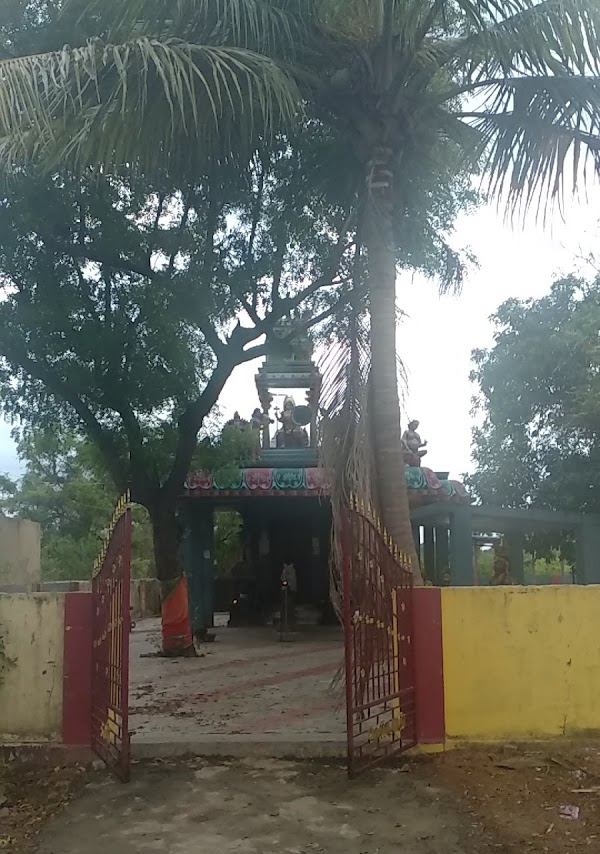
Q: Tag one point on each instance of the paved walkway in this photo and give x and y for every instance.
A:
(258, 807)
(246, 686)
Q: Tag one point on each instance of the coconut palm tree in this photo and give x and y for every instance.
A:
(511, 85)
(135, 87)
(508, 86)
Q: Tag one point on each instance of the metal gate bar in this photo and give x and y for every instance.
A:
(380, 686)
(110, 646)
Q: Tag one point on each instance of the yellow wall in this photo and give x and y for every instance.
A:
(32, 626)
(521, 661)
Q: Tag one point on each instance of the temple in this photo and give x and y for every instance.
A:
(282, 500)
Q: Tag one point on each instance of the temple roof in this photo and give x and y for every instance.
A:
(424, 486)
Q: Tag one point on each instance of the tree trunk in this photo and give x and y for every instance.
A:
(176, 629)
(392, 494)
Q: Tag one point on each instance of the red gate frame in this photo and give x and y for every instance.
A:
(111, 625)
(378, 641)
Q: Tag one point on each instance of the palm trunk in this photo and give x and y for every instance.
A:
(392, 494)
(176, 629)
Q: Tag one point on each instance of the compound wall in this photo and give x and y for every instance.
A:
(507, 662)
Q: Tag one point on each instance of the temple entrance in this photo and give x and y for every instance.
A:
(235, 552)
(293, 533)
(247, 686)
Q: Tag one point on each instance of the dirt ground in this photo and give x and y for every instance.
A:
(516, 794)
(30, 797)
(259, 807)
(505, 799)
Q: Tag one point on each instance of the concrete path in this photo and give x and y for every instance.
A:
(258, 807)
(247, 687)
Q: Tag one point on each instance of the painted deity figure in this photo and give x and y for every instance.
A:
(260, 423)
(413, 449)
(290, 434)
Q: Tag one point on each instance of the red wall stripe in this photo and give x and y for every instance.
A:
(77, 669)
(429, 665)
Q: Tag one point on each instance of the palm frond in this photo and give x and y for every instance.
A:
(535, 132)
(551, 36)
(348, 18)
(262, 25)
(345, 449)
(147, 100)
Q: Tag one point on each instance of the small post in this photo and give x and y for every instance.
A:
(283, 617)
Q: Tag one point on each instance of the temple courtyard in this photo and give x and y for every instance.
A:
(246, 690)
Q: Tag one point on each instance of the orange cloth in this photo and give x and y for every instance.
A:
(176, 631)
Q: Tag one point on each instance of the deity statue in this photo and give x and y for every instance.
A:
(412, 446)
(290, 434)
(260, 419)
(501, 566)
(290, 342)
(259, 424)
(237, 421)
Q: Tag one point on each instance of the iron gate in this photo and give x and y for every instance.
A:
(110, 644)
(380, 687)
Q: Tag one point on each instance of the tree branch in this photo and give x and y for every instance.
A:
(328, 278)
(211, 337)
(192, 418)
(101, 438)
(256, 211)
(140, 268)
(211, 230)
(250, 309)
(86, 295)
(159, 210)
(182, 226)
(190, 423)
(278, 269)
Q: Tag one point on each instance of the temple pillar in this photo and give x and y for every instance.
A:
(264, 586)
(476, 554)
(198, 559)
(442, 554)
(429, 554)
(315, 592)
(461, 546)
(587, 563)
(515, 544)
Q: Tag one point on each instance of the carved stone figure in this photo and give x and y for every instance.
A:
(290, 343)
(238, 422)
(290, 434)
(413, 449)
(260, 420)
(501, 567)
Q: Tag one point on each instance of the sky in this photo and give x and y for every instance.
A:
(437, 335)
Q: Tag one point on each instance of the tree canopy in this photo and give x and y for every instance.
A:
(539, 400)
(144, 82)
(65, 488)
(414, 92)
(126, 305)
